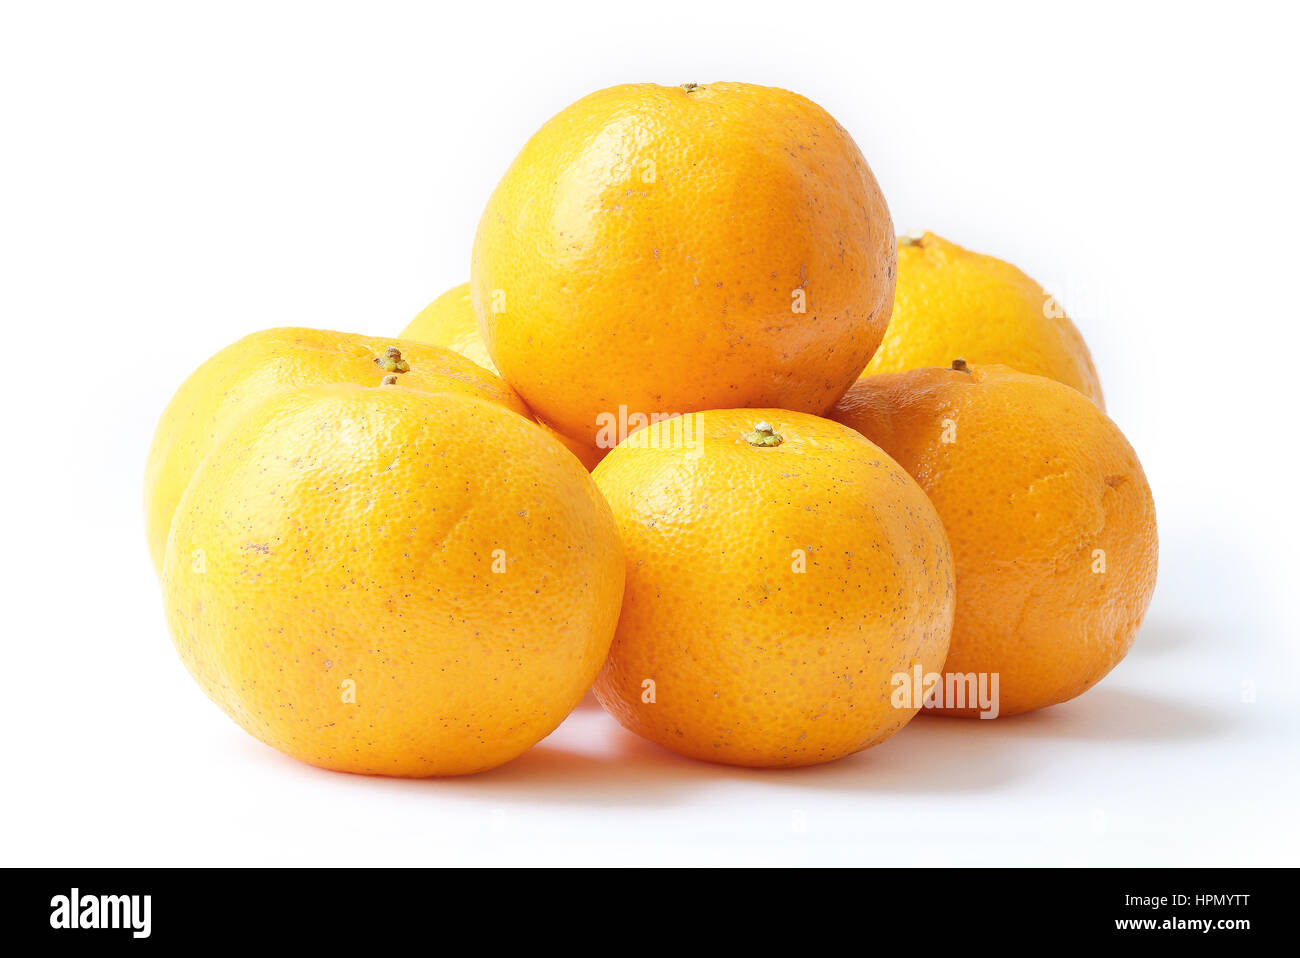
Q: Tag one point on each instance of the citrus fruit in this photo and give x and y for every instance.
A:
(781, 573)
(669, 249)
(952, 302)
(449, 321)
(381, 580)
(1048, 512)
(221, 390)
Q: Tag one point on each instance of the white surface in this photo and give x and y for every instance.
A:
(171, 180)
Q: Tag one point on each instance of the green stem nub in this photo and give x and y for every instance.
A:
(960, 366)
(692, 87)
(392, 361)
(763, 435)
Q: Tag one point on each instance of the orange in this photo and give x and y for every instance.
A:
(387, 581)
(1050, 518)
(952, 302)
(782, 572)
(449, 321)
(220, 391)
(671, 249)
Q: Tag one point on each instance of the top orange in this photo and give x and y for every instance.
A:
(673, 249)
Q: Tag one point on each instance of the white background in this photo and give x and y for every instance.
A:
(173, 177)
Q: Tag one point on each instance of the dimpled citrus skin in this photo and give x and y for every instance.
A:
(1035, 480)
(449, 321)
(651, 247)
(348, 538)
(755, 663)
(951, 302)
(244, 373)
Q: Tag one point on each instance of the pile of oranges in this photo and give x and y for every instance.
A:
(700, 434)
